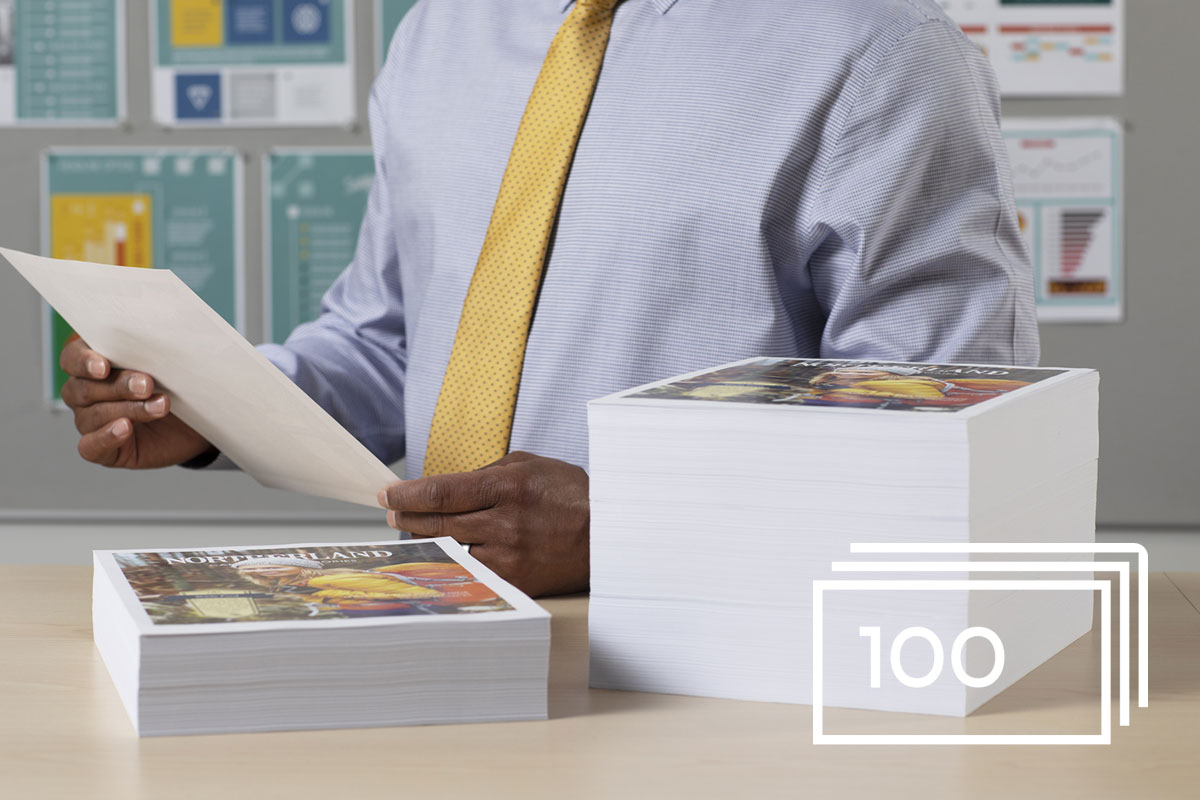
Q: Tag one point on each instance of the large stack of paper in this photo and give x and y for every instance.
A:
(316, 636)
(718, 497)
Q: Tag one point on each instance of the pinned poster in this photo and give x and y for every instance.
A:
(175, 208)
(315, 201)
(1048, 48)
(1067, 174)
(388, 14)
(253, 63)
(62, 64)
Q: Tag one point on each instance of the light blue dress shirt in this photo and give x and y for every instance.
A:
(756, 177)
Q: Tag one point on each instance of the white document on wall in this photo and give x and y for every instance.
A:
(149, 320)
(1067, 176)
(1041, 48)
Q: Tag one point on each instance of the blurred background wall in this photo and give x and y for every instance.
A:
(55, 507)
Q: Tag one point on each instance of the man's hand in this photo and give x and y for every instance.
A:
(122, 422)
(525, 516)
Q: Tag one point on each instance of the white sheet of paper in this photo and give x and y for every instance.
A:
(1048, 48)
(149, 320)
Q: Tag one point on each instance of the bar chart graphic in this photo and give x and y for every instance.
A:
(1077, 227)
(1079, 236)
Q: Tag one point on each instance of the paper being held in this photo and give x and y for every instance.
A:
(218, 383)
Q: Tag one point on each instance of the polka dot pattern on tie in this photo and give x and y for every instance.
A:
(473, 419)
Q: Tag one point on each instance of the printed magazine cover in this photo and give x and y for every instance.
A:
(852, 384)
(304, 583)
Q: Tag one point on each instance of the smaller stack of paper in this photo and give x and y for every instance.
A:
(316, 636)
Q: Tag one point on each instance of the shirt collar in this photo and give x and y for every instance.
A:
(663, 6)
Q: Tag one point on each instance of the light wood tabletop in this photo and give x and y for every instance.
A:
(63, 732)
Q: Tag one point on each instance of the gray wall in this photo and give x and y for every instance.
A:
(1150, 364)
(1149, 367)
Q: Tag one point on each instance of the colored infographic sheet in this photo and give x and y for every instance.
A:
(1067, 174)
(62, 62)
(178, 208)
(253, 63)
(1048, 47)
(315, 201)
(388, 14)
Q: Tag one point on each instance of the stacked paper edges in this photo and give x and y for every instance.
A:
(718, 497)
(316, 636)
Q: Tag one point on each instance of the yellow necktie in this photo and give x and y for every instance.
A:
(473, 419)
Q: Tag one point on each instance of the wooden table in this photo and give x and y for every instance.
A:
(63, 732)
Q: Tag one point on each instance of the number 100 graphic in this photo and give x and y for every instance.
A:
(945, 647)
(939, 656)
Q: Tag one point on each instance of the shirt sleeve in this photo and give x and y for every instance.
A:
(352, 359)
(919, 255)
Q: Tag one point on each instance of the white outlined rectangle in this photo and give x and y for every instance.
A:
(1120, 567)
(1045, 548)
(821, 586)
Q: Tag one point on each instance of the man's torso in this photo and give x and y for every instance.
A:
(682, 240)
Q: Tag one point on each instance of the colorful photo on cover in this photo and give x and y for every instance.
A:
(852, 384)
(305, 583)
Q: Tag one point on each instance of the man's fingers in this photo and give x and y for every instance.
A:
(515, 457)
(100, 447)
(123, 385)
(498, 558)
(473, 527)
(463, 528)
(446, 494)
(94, 417)
(419, 524)
(80, 361)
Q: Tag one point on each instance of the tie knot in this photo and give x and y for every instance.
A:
(599, 5)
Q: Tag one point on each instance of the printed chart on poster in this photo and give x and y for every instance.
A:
(388, 14)
(1067, 174)
(174, 208)
(62, 63)
(315, 201)
(253, 62)
(1045, 48)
